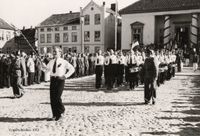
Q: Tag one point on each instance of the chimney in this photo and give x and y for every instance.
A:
(70, 12)
(104, 3)
(113, 6)
(24, 28)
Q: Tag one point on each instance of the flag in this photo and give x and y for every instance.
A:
(134, 44)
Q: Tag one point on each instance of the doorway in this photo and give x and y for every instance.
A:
(182, 36)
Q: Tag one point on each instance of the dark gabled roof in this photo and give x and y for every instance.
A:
(60, 19)
(144, 6)
(4, 25)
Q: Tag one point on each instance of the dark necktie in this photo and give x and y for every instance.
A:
(110, 61)
(131, 60)
(97, 60)
(54, 66)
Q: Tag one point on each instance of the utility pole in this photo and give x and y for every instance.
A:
(116, 15)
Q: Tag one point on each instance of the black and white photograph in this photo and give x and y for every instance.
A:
(100, 68)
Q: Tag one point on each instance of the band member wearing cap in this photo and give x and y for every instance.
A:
(60, 70)
(150, 77)
(99, 61)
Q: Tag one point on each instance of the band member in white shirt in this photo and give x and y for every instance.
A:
(60, 70)
(133, 74)
(99, 62)
(121, 63)
(113, 67)
(107, 69)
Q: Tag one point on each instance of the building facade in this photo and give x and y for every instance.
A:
(86, 31)
(161, 22)
(6, 34)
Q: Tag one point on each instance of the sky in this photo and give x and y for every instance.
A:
(32, 12)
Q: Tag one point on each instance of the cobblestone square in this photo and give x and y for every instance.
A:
(98, 113)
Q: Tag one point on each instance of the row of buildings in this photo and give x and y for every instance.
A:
(161, 22)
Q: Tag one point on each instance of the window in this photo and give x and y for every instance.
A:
(87, 19)
(65, 49)
(86, 49)
(97, 36)
(137, 31)
(74, 27)
(48, 38)
(42, 50)
(41, 29)
(87, 36)
(74, 49)
(57, 37)
(49, 29)
(8, 36)
(65, 28)
(96, 49)
(65, 37)
(74, 36)
(56, 28)
(97, 19)
(48, 49)
(42, 38)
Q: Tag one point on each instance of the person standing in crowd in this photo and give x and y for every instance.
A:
(133, 64)
(31, 70)
(45, 62)
(24, 59)
(150, 77)
(121, 63)
(7, 71)
(18, 73)
(99, 62)
(58, 68)
(74, 64)
(179, 61)
(113, 67)
(195, 61)
(38, 70)
(86, 64)
(107, 69)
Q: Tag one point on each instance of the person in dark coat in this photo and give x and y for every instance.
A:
(18, 73)
(150, 77)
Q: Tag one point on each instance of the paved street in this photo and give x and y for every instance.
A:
(98, 113)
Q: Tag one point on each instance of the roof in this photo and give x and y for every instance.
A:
(61, 19)
(5, 25)
(145, 6)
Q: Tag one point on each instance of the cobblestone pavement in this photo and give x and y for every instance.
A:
(98, 113)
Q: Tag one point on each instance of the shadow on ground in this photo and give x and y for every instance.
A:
(14, 120)
(191, 125)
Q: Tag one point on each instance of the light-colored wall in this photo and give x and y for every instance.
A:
(148, 31)
(4, 32)
(61, 31)
(92, 27)
(148, 19)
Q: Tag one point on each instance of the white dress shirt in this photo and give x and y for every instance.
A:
(61, 68)
(100, 61)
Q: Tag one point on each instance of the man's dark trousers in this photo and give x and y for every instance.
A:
(56, 90)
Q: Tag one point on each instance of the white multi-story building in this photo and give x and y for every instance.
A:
(6, 33)
(89, 30)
